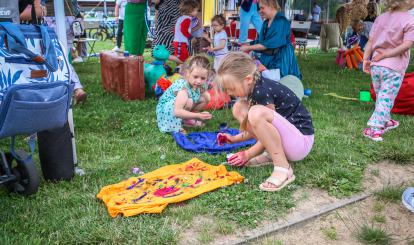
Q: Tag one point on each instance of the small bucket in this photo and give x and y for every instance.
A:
(364, 96)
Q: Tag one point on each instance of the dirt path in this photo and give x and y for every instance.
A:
(394, 218)
(337, 227)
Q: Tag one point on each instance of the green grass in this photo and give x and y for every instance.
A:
(372, 235)
(330, 233)
(390, 193)
(379, 218)
(206, 235)
(113, 136)
(378, 206)
(224, 227)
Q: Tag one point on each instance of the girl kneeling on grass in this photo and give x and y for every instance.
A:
(272, 114)
(185, 98)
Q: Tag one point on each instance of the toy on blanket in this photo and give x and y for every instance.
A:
(352, 57)
(155, 70)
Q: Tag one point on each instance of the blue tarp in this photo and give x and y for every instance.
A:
(206, 141)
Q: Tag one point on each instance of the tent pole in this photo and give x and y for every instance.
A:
(61, 33)
(60, 21)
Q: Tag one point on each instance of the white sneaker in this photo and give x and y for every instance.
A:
(77, 60)
(116, 49)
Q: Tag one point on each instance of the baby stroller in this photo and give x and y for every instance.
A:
(35, 95)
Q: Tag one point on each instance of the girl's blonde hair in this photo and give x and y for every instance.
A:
(188, 6)
(239, 65)
(270, 3)
(393, 5)
(200, 61)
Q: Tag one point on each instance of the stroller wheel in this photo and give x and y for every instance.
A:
(27, 177)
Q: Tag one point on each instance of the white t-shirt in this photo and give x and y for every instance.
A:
(411, 12)
(121, 4)
(217, 39)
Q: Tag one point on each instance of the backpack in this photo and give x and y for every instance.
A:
(35, 89)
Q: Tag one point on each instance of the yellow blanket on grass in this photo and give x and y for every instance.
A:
(152, 192)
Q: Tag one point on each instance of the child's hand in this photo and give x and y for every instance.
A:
(205, 115)
(239, 159)
(366, 66)
(380, 55)
(223, 138)
(245, 48)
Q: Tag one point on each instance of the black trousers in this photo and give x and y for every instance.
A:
(119, 33)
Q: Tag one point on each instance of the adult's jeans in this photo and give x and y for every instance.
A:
(119, 33)
(245, 19)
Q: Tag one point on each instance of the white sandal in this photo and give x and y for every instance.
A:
(290, 177)
(253, 163)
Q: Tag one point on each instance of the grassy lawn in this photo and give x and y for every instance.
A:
(113, 136)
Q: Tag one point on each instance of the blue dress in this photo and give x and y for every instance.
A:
(166, 120)
(277, 36)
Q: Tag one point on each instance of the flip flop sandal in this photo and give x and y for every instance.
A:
(391, 124)
(254, 162)
(277, 182)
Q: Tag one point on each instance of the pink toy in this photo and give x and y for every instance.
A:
(340, 58)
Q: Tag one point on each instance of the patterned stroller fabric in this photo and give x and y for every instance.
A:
(152, 192)
(35, 89)
(22, 67)
(206, 141)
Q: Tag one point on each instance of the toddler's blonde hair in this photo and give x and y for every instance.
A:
(393, 5)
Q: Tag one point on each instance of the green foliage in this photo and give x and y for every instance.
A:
(379, 218)
(330, 233)
(378, 206)
(390, 193)
(372, 235)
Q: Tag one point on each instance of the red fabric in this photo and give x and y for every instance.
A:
(292, 38)
(404, 103)
(185, 26)
(217, 100)
(181, 51)
(232, 32)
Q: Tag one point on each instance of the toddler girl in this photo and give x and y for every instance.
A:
(182, 32)
(185, 98)
(272, 114)
(389, 44)
(220, 39)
